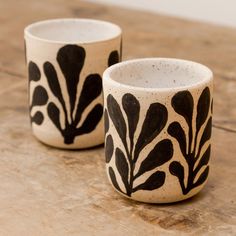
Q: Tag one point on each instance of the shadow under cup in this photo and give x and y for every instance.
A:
(158, 116)
(66, 59)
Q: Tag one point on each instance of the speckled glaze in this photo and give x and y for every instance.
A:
(158, 128)
(65, 60)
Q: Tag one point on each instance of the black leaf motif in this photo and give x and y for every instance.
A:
(176, 131)
(182, 103)
(34, 72)
(113, 179)
(37, 118)
(113, 58)
(109, 148)
(54, 115)
(155, 121)
(131, 107)
(53, 82)
(106, 121)
(202, 177)
(91, 121)
(203, 108)
(162, 153)
(155, 181)
(204, 160)
(117, 118)
(177, 170)
(123, 168)
(206, 134)
(71, 61)
(92, 88)
(40, 96)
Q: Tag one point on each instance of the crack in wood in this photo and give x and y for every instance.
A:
(11, 73)
(226, 77)
(224, 128)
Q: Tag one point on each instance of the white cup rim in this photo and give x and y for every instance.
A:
(115, 30)
(107, 75)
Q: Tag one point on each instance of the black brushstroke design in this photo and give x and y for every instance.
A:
(191, 145)
(106, 121)
(155, 181)
(38, 118)
(125, 160)
(40, 95)
(71, 59)
(113, 58)
(109, 148)
(113, 179)
(33, 72)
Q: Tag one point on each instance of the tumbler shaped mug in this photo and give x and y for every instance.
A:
(158, 116)
(65, 60)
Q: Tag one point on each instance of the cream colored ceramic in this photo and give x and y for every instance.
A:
(65, 60)
(158, 115)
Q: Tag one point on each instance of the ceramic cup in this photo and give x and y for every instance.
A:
(66, 59)
(158, 115)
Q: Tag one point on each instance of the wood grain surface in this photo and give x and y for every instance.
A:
(45, 191)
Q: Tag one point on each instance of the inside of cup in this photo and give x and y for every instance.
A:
(159, 73)
(73, 30)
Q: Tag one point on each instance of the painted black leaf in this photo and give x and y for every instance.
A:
(177, 170)
(37, 118)
(203, 108)
(206, 134)
(40, 96)
(176, 131)
(155, 121)
(122, 167)
(91, 121)
(53, 82)
(202, 177)
(117, 117)
(92, 88)
(109, 148)
(204, 160)
(131, 107)
(182, 103)
(106, 121)
(155, 181)
(54, 115)
(71, 60)
(34, 72)
(113, 179)
(113, 58)
(160, 154)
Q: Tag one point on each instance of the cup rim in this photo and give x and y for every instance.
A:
(29, 34)
(107, 75)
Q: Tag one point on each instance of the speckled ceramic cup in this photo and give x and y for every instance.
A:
(158, 115)
(65, 60)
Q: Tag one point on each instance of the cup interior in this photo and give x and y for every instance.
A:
(73, 30)
(159, 73)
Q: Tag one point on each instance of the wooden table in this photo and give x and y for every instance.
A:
(45, 191)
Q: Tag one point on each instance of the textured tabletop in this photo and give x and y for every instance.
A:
(45, 191)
